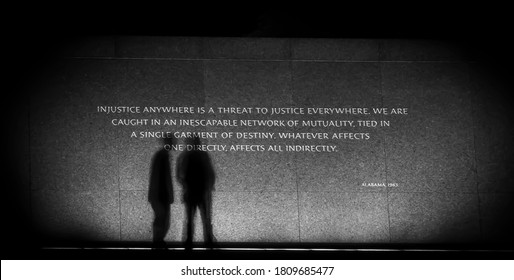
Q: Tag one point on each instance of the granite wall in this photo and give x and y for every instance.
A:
(451, 156)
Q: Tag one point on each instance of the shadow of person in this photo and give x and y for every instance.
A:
(196, 174)
(160, 192)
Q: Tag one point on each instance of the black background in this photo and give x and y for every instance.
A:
(32, 35)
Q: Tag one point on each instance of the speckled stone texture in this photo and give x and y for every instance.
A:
(434, 218)
(77, 215)
(420, 50)
(344, 217)
(158, 47)
(152, 83)
(71, 145)
(335, 49)
(431, 148)
(137, 218)
(249, 84)
(451, 156)
(492, 112)
(256, 216)
(330, 84)
(246, 48)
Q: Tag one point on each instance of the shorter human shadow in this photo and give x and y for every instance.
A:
(160, 192)
(196, 174)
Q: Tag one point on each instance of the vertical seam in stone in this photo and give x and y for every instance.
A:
(291, 90)
(470, 91)
(384, 145)
(295, 169)
(119, 192)
(118, 138)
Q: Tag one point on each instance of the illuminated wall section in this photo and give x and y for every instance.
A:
(448, 160)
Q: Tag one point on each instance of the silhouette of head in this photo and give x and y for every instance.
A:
(197, 141)
(194, 141)
(167, 142)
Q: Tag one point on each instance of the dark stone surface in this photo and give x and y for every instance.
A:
(237, 217)
(244, 171)
(89, 47)
(421, 50)
(137, 217)
(495, 212)
(255, 216)
(72, 147)
(161, 83)
(247, 84)
(434, 217)
(493, 118)
(336, 84)
(335, 49)
(77, 215)
(328, 84)
(135, 163)
(246, 48)
(17, 157)
(431, 148)
(159, 47)
(344, 217)
(90, 179)
(153, 83)
(355, 162)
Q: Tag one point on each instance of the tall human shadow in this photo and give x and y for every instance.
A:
(196, 174)
(160, 193)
